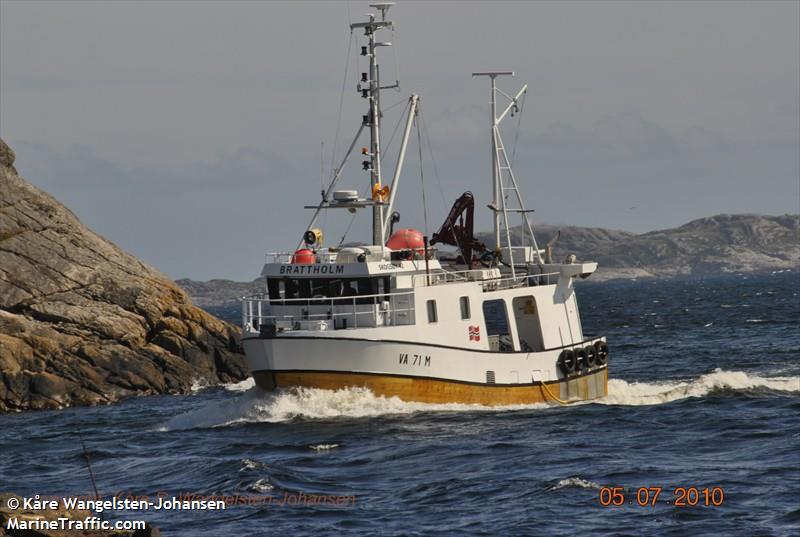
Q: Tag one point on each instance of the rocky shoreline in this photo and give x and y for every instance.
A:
(82, 322)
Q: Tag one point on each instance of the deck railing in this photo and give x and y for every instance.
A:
(494, 284)
(282, 258)
(387, 309)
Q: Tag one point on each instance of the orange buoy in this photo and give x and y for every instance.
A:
(406, 239)
(303, 256)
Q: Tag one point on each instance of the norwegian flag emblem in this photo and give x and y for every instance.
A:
(474, 333)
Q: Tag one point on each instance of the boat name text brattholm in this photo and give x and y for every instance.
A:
(312, 269)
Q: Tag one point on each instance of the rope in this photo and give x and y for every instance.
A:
(438, 179)
(341, 98)
(433, 158)
(561, 401)
(422, 179)
(397, 126)
(335, 147)
(519, 127)
(396, 61)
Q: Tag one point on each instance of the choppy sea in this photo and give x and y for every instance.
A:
(704, 394)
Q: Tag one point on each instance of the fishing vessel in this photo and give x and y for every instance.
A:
(493, 325)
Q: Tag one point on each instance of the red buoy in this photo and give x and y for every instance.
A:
(406, 239)
(304, 256)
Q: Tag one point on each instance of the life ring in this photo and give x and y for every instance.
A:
(591, 355)
(581, 359)
(566, 361)
(602, 352)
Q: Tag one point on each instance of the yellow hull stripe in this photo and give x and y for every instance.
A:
(428, 390)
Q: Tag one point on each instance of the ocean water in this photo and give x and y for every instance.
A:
(704, 394)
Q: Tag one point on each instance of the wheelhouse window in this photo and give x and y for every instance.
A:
(275, 288)
(464, 303)
(432, 314)
(320, 290)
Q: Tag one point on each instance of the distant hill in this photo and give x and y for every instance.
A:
(714, 245)
(220, 292)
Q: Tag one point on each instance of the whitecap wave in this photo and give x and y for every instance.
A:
(323, 447)
(250, 464)
(621, 392)
(262, 485)
(578, 482)
(200, 384)
(242, 386)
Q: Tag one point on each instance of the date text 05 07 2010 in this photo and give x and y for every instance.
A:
(648, 496)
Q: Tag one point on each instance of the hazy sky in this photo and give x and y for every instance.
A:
(189, 132)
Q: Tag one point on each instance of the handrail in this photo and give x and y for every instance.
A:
(490, 284)
(326, 316)
(379, 307)
(325, 299)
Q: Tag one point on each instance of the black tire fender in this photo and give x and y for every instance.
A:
(567, 361)
(602, 352)
(581, 359)
(591, 355)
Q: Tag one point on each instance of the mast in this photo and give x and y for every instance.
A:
(381, 197)
(496, 193)
(370, 89)
(503, 180)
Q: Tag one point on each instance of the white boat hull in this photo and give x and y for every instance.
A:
(418, 371)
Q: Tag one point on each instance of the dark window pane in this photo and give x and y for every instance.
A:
(494, 311)
(292, 290)
(432, 313)
(464, 302)
(274, 288)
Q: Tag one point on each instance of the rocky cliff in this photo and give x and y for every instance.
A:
(83, 322)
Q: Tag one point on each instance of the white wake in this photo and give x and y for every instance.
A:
(251, 405)
(621, 392)
(247, 404)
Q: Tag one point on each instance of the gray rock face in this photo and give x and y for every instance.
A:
(707, 246)
(83, 322)
(221, 292)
